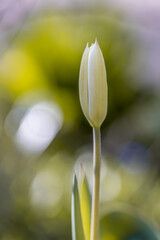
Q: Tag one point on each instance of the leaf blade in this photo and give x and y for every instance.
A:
(76, 218)
(85, 201)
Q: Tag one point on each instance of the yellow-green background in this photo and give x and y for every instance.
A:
(39, 62)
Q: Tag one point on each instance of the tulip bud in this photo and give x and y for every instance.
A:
(93, 89)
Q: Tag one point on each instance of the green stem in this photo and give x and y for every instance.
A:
(96, 183)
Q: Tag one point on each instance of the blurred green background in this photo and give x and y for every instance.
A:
(44, 136)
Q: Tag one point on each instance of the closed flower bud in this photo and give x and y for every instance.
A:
(93, 89)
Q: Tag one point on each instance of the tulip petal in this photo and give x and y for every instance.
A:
(97, 85)
(83, 83)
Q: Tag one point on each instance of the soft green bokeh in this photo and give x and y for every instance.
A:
(39, 88)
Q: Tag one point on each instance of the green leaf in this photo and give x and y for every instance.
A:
(76, 219)
(85, 200)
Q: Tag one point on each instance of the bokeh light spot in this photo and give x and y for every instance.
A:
(39, 127)
(45, 190)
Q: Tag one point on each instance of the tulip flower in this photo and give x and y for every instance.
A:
(93, 94)
(93, 90)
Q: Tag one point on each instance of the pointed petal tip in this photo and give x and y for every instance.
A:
(87, 45)
(96, 41)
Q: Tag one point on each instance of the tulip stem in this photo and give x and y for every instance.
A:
(96, 184)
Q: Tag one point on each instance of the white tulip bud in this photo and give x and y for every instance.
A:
(93, 89)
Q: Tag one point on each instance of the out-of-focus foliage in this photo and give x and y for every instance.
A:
(76, 216)
(44, 136)
(126, 224)
(85, 200)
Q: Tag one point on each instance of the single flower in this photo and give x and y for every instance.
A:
(93, 89)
